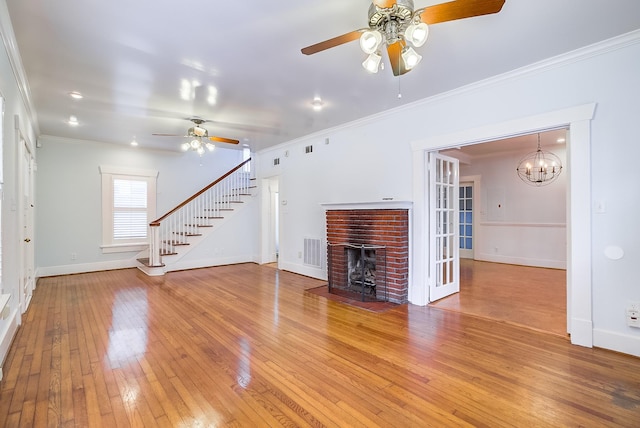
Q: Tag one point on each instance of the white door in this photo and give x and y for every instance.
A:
(26, 184)
(444, 261)
(466, 217)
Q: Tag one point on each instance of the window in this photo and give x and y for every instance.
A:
(128, 206)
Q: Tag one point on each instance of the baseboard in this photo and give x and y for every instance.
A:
(522, 261)
(85, 267)
(312, 272)
(204, 263)
(6, 337)
(624, 343)
(581, 332)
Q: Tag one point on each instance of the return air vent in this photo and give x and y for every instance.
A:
(308, 149)
(312, 252)
(276, 161)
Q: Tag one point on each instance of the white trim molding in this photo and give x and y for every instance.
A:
(578, 119)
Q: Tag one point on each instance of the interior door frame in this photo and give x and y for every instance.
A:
(26, 257)
(476, 180)
(270, 220)
(579, 259)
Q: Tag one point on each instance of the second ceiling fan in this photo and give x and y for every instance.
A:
(396, 24)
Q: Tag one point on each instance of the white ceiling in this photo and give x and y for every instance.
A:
(129, 59)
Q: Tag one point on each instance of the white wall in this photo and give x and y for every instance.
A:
(517, 223)
(68, 195)
(371, 159)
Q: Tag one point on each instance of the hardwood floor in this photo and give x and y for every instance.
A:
(246, 346)
(529, 296)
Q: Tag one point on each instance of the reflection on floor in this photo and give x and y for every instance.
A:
(523, 295)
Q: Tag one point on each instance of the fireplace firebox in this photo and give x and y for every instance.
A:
(362, 271)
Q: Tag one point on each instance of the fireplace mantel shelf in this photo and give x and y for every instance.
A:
(377, 205)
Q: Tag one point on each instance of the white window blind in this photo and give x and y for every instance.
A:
(129, 209)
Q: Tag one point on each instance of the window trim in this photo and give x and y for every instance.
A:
(108, 174)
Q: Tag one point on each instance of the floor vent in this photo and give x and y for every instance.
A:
(312, 252)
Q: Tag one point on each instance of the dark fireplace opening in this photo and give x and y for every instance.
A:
(361, 269)
(358, 271)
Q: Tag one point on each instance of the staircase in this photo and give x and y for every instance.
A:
(175, 233)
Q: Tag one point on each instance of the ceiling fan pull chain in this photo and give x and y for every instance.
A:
(399, 89)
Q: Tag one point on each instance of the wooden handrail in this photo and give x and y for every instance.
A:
(156, 223)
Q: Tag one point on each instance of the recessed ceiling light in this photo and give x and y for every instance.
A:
(317, 104)
(134, 143)
(76, 95)
(561, 140)
(73, 121)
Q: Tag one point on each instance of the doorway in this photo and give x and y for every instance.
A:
(578, 234)
(270, 220)
(519, 227)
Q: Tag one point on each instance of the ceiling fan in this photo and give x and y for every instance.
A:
(197, 133)
(396, 24)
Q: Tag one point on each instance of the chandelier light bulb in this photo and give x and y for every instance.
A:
(185, 146)
(210, 147)
(200, 150)
(195, 144)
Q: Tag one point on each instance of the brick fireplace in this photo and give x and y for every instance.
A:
(378, 225)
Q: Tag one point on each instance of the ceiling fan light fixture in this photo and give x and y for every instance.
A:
(210, 147)
(370, 40)
(195, 144)
(410, 57)
(417, 34)
(372, 63)
(185, 146)
(200, 150)
(198, 131)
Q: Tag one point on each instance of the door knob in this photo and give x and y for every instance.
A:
(27, 240)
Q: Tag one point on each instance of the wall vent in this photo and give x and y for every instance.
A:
(312, 252)
(308, 149)
(276, 161)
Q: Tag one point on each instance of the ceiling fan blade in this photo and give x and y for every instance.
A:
(224, 140)
(459, 9)
(397, 64)
(384, 3)
(331, 43)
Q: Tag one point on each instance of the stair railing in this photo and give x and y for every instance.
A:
(199, 210)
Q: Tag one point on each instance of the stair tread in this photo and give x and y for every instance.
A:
(187, 234)
(145, 261)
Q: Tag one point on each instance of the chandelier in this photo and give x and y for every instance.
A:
(539, 168)
(196, 144)
(396, 24)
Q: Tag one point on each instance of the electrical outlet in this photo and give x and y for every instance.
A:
(633, 314)
(299, 254)
(74, 256)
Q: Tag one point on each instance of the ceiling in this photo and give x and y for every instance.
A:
(144, 69)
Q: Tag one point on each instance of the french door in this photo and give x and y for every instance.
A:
(444, 251)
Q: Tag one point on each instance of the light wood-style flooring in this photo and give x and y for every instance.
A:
(522, 295)
(246, 346)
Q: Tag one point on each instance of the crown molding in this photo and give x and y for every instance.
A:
(11, 47)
